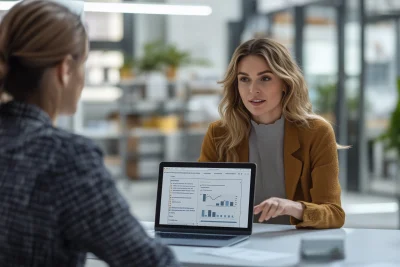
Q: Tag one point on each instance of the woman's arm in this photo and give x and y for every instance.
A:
(94, 217)
(324, 211)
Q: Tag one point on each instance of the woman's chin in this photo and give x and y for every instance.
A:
(256, 113)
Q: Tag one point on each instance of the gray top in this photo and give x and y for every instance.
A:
(266, 150)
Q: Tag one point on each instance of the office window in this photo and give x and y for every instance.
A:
(374, 7)
(282, 29)
(377, 74)
(105, 26)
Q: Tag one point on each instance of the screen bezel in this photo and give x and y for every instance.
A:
(206, 229)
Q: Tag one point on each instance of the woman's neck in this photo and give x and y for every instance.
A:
(268, 118)
(45, 104)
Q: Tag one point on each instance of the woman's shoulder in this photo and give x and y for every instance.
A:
(216, 129)
(76, 149)
(72, 140)
(317, 130)
(319, 124)
(317, 127)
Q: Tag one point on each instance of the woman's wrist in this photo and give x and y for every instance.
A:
(296, 210)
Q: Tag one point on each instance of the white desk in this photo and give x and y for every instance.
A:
(364, 247)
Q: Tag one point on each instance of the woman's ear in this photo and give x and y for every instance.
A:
(64, 70)
(284, 90)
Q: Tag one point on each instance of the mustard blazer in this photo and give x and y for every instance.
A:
(311, 170)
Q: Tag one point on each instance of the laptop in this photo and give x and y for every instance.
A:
(204, 204)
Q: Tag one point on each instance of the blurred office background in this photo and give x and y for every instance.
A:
(152, 88)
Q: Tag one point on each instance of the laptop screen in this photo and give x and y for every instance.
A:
(196, 196)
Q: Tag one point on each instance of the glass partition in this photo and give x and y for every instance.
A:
(282, 29)
(381, 100)
(320, 38)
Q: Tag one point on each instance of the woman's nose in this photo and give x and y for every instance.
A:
(253, 88)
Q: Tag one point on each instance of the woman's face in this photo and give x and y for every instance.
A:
(260, 90)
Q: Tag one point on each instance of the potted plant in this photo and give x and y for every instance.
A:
(126, 71)
(152, 59)
(326, 99)
(173, 58)
(150, 67)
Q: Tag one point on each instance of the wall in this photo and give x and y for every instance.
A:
(205, 36)
(148, 28)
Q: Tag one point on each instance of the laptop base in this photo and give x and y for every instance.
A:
(196, 242)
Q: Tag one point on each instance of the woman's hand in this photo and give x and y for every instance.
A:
(274, 207)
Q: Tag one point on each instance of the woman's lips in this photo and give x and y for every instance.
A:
(257, 102)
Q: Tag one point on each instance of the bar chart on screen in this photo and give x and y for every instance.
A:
(219, 202)
(218, 214)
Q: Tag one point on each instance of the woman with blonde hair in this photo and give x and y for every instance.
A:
(267, 118)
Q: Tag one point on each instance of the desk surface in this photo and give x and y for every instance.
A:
(364, 247)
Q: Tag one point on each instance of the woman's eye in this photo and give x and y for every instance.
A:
(264, 79)
(244, 79)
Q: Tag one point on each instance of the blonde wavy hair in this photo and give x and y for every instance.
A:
(296, 105)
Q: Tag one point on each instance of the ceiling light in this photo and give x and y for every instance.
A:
(158, 9)
(6, 5)
(136, 8)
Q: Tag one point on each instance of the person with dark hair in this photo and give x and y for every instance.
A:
(57, 200)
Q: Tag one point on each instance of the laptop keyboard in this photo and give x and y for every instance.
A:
(195, 236)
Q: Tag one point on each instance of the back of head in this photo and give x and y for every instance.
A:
(36, 35)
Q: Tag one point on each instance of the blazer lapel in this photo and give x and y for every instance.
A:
(292, 165)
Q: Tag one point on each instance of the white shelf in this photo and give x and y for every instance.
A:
(100, 94)
(139, 82)
(99, 134)
(138, 132)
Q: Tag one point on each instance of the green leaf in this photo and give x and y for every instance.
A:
(326, 98)
(392, 134)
